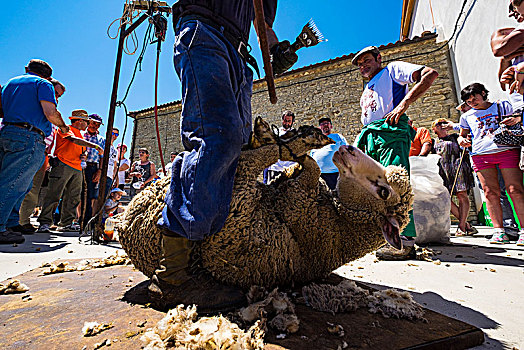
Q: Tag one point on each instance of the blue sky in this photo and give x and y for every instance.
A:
(71, 36)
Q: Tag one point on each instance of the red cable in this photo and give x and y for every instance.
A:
(156, 111)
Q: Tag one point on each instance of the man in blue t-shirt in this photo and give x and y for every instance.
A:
(29, 107)
(324, 155)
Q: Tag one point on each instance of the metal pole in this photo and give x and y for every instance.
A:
(110, 122)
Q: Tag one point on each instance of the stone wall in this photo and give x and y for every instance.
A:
(331, 88)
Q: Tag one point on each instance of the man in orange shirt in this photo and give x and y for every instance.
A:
(421, 144)
(66, 177)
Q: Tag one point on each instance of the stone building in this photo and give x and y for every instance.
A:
(330, 88)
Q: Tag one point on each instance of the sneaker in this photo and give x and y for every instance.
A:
(390, 253)
(44, 228)
(461, 233)
(69, 228)
(520, 242)
(11, 237)
(471, 230)
(27, 229)
(499, 237)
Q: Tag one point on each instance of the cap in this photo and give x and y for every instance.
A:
(324, 119)
(117, 190)
(79, 114)
(96, 118)
(120, 145)
(370, 49)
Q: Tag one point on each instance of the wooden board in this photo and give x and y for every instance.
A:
(61, 303)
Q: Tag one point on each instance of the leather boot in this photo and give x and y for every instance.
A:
(178, 281)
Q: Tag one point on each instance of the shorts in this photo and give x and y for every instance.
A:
(504, 160)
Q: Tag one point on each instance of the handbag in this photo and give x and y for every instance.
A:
(509, 135)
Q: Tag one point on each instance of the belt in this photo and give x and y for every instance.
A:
(92, 163)
(240, 46)
(26, 126)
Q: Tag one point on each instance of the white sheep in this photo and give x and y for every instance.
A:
(294, 230)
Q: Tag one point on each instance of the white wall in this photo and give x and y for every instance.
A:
(470, 50)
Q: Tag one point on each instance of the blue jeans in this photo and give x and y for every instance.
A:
(21, 155)
(215, 123)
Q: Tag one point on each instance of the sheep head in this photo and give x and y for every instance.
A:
(365, 183)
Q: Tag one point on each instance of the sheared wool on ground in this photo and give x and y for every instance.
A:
(182, 329)
(13, 287)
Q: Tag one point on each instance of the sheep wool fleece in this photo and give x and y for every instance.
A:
(389, 145)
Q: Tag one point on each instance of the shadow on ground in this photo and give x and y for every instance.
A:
(473, 254)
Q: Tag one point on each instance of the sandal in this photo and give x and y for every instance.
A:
(470, 230)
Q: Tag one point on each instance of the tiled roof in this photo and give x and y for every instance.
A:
(312, 66)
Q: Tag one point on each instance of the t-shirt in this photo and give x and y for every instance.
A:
(324, 155)
(421, 138)
(21, 98)
(482, 124)
(122, 174)
(68, 152)
(386, 90)
(112, 160)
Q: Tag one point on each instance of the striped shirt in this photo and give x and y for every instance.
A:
(92, 154)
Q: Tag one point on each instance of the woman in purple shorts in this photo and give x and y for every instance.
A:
(479, 123)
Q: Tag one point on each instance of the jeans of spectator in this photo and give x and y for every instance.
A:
(509, 223)
(31, 199)
(92, 190)
(21, 155)
(215, 122)
(331, 180)
(65, 183)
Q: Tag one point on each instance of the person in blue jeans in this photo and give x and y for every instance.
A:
(210, 59)
(29, 107)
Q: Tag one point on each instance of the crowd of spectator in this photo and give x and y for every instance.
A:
(47, 166)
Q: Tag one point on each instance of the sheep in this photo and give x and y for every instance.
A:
(292, 231)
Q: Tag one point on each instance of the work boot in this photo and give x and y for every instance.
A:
(27, 229)
(180, 280)
(390, 253)
(11, 237)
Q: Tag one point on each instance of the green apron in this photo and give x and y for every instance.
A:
(389, 145)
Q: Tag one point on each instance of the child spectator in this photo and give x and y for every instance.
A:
(112, 206)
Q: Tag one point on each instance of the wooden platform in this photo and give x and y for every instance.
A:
(61, 303)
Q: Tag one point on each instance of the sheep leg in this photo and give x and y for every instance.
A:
(310, 173)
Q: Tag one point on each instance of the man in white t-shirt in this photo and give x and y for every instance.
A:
(169, 166)
(288, 118)
(386, 136)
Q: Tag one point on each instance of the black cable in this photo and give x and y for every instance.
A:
(396, 59)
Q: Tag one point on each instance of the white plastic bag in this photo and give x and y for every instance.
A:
(432, 201)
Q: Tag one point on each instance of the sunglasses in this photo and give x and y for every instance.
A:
(115, 134)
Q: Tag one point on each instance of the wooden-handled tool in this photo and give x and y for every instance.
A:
(264, 47)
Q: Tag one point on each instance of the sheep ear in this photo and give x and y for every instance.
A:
(391, 232)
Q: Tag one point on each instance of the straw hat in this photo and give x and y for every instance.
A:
(79, 114)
